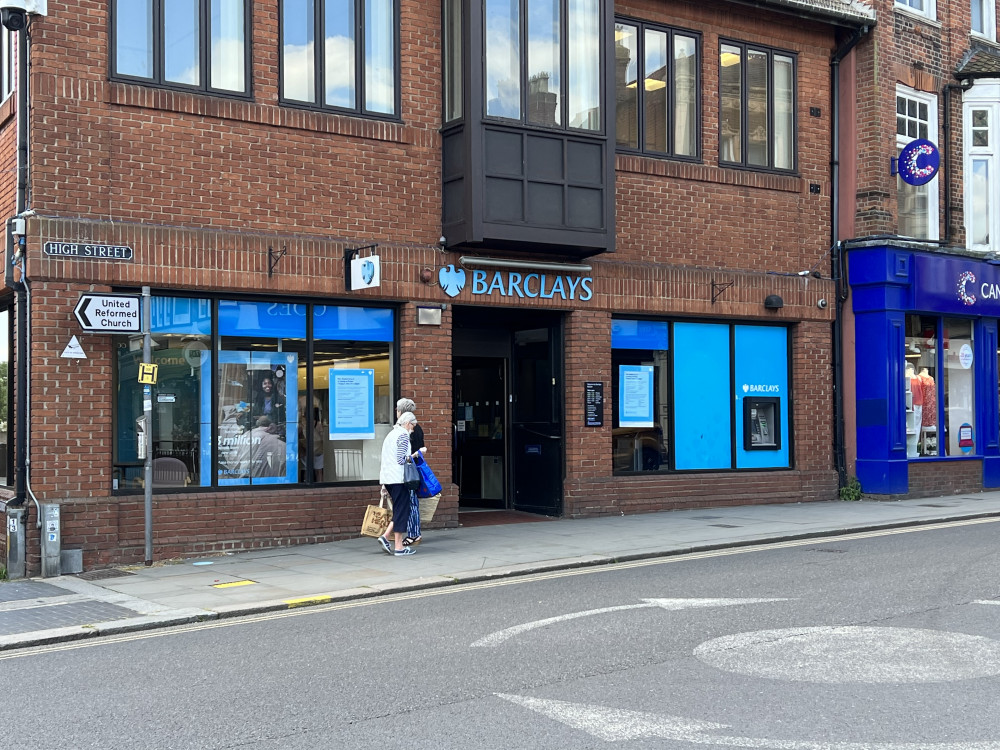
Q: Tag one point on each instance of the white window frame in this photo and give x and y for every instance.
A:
(924, 8)
(933, 207)
(982, 95)
(989, 19)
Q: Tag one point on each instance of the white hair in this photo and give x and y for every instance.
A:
(405, 404)
(406, 418)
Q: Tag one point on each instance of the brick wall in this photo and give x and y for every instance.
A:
(203, 187)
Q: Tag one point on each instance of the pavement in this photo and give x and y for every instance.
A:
(41, 611)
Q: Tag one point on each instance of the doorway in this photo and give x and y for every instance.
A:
(507, 421)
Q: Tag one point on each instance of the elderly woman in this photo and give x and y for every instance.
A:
(416, 446)
(395, 451)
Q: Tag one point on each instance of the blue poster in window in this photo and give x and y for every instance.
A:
(635, 396)
(258, 438)
(352, 404)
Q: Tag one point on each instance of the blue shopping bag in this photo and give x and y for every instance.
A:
(429, 484)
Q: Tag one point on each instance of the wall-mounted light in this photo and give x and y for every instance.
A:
(473, 260)
(773, 302)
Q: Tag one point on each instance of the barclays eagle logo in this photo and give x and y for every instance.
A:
(368, 271)
(452, 280)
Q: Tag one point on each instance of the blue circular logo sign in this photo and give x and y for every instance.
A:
(919, 162)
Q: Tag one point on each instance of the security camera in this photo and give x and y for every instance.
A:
(15, 19)
(442, 240)
(821, 304)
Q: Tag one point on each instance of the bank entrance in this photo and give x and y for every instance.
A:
(508, 427)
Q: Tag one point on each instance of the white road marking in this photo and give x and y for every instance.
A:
(495, 639)
(987, 601)
(866, 655)
(616, 725)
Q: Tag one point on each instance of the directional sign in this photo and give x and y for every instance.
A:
(109, 313)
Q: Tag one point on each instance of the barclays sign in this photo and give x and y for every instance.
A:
(514, 284)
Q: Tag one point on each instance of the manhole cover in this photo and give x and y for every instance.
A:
(100, 575)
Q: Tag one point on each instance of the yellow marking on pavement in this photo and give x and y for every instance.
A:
(462, 588)
(307, 601)
(232, 584)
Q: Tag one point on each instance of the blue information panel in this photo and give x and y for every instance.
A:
(762, 374)
(352, 404)
(702, 404)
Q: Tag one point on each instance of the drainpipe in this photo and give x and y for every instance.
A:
(15, 257)
(946, 90)
(837, 261)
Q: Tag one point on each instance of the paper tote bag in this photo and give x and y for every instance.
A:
(429, 484)
(376, 520)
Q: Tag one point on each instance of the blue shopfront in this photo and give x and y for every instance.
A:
(926, 364)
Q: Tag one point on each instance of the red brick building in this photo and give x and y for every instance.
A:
(598, 261)
(919, 254)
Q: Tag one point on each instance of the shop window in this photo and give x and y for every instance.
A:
(352, 392)
(757, 107)
(984, 18)
(528, 42)
(257, 410)
(341, 54)
(660, 115)
(921, 7)
(939, 384)
(981, 114)
(676, 384)
(196, 44)
(181, 347)
(917, 205)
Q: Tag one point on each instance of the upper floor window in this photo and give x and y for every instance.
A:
(527, 44)
(922, 7)
(917, 205)
(8, 66)
(757, 108)
(199, 44)
(660, 116)
(984, 18)
(981, 112)
(355, 65)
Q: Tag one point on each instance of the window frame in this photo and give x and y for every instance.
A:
(929, 11)
(743, 162)
(982, 96)
(213, 346)
(740, 458)
(933, 196)
(565, 75)
(360, 79)
(672, 32)
(8, 63)
(158, 77)
(989, 32)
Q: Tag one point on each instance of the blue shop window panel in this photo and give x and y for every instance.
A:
(640, 334)
(273, 320)
(180, 315)
(761, 370)
(702, 404)
(341, 323)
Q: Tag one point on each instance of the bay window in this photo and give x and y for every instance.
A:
(981, 114)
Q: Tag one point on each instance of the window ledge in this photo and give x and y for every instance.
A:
(706, 173)
(272, 115)
(905, 11)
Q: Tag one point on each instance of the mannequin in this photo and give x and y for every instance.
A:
(929, 417)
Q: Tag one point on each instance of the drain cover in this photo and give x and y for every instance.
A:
(100, 575)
